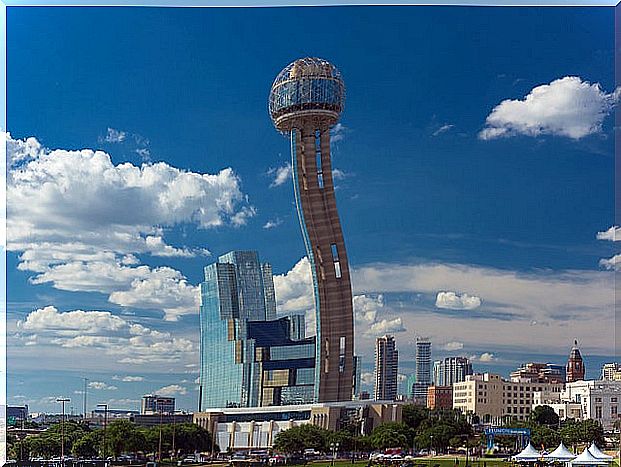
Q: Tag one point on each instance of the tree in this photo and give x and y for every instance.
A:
(413, 415)
(299, 438)
(544, 415)
(87, 446)
(392, 435)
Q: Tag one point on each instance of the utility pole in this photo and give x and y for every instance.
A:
(84, 397)
(62, 430)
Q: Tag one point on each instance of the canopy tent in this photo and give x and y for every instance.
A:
(586, 458)
(561, 453)
(597, 453)
(529, 454)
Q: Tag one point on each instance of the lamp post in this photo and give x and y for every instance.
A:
(335, 448)
(62, 430)
(431, 448)
(105, 406)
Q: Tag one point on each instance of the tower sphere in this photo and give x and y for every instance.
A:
(307, 92)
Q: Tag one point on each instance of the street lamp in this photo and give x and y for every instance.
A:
(431, 448)
(62, 430)
(103, 450)
(335, 448)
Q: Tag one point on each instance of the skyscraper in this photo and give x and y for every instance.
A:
(451, 370)
(575, 365)
(246, 359)
(423, 370)
(386, 368)
(306, 100)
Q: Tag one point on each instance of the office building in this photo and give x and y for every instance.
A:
(244, 429)
(154, 404)
(248, 360)
(439, 397)
(451, 370)
(611, 372)
(386, 368)
(306, 100)
(539, 373)
(495, 400)
(575, 365)
(423, 371)
(357, 380)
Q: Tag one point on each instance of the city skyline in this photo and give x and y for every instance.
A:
(452, 224)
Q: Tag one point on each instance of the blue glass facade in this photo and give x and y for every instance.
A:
(248, 359)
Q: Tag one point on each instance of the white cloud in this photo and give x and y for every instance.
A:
(101, 386)
(442, 129)
(79, 221)
(294, 289)
(611, 263)
(281, 175)
(272, 223)
(338, 174)
(337, 133)
(453, 345)
(128, 378)
(453, 301)
(115, 136)
(561, 302)
(172, 390)
(127, 342)
(366, 313)
(567, 107)
(367, 378)
(485, 357)
(613, 234)
(385, 326)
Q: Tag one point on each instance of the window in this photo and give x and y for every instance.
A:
(613, 410)
(318, 158)
(335, 258)
(342, 354)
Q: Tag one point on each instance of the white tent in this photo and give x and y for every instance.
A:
(561, 453)
(586, 458)
(529, 454)
(595, 451)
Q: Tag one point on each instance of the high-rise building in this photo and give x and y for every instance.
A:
(575, 365)
(357, 380)
(423, 370)
(409, 386)
(154, 404)
(386, 368)
(451, 370)
(306, 100)
(246, 359)
(539, 373)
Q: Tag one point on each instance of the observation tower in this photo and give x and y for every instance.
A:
(306, 100)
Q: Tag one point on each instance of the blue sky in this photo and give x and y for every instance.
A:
(432, 198)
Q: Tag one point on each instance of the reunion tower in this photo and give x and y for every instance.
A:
(306, 100)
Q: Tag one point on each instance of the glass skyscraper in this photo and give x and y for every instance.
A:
(249, 358)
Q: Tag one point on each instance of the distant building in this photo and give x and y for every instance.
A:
(148, 420)
(16, 414)
(357, 372)
(600, 400)
(611, 372)
(496, 400)
(409, 383)
(238, 429)
(539, 373)
(154, 404)
(439, 397)
(575, 365)
(423, 370)
(451, 370)
(386, 368)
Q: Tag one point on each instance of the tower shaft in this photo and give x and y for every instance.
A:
(323, 238)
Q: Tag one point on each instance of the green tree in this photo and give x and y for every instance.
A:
(544, 415)
(414, 415)
(392, 435)
(87, 446)
(296, 439)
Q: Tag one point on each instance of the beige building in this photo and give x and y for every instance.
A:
(494, 399)
(257, 427)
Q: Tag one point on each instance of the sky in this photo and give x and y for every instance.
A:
(474, 165)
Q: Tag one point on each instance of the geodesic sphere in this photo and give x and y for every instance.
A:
(306, 89)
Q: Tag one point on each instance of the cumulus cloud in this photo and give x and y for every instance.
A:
(611, 263)
(367, 311)
(453, 345)
(337, 133)
(613, 234)
(294, 289)
(454, 301)
(272, 223)
(485, 357)
(78, 220)
(128, 378)
(172, 390)
(101, 386)
(280, 175)
(367, 378)
(128, 342)
(568, 107)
